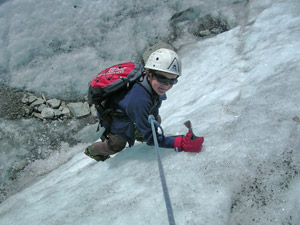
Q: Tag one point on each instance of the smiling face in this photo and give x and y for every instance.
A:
(161, 82)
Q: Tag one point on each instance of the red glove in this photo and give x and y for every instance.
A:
(187, 144)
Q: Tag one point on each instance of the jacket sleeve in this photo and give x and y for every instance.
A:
(138, 109)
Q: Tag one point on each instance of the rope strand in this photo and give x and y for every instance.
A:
(161, 171)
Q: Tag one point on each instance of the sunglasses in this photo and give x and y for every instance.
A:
(164, 80)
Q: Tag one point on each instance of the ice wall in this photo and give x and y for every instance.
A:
(56, 47)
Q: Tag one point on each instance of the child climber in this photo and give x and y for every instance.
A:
(161, 71)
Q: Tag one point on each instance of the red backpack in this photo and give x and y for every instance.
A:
(111, 81)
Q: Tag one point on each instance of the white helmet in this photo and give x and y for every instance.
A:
(164, 60)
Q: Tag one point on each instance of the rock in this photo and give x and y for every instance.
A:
(54, 103)
(16, 168)
(20, 165)
(37, 102)
(27, 110)
(48, 113)
(37, 115)
(79, 109)
(207, 26)
(41, 107)
(297, 119)
(93, 111)
(57, 109)
(203, 33)
(57, 113)
(66, 112)
(31, 99)
(43, 96)
(25, 100)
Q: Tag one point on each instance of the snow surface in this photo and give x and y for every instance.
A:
(241, 91)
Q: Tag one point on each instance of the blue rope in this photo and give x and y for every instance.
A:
(161, 171)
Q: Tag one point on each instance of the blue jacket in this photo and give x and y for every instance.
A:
(137, 104)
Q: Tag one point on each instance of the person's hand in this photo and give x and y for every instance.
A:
(188, 143)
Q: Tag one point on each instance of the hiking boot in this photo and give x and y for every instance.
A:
(98, 158)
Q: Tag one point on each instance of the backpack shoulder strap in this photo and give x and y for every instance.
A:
(145, 84)
(154, 97)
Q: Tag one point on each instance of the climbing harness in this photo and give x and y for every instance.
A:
(161, 170)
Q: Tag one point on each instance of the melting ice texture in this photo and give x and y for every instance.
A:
(70, 42)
